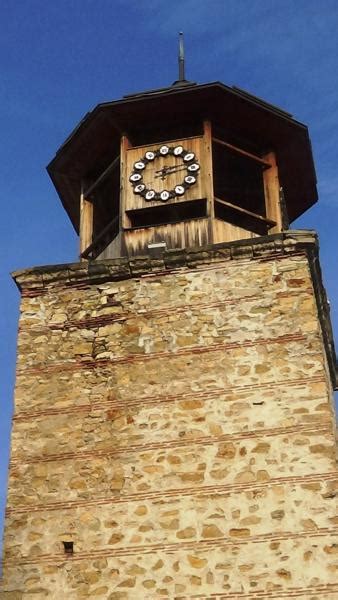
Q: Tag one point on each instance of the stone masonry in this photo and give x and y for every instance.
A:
(174, 420)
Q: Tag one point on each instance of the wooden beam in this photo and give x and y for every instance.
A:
(94, 249)
(124, 145)
(262, 161)
(207, 174)
(284, 210)
(207, 165)
(246, 212)
(86, 223)
(272, 193)
(101, 177)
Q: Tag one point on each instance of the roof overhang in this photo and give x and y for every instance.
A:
(95, 141)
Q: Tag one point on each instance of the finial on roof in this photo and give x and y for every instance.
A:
(181, 63)
(181, 76)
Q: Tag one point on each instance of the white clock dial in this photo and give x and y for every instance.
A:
(185, 165)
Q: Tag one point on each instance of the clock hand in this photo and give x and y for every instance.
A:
(173, 168)
(168, 170)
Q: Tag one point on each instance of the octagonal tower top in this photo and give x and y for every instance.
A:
(182, 166)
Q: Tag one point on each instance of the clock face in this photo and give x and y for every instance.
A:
(176, 160)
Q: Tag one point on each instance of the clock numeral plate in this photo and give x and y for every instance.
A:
(189, 156)
(179, 190)
(150, 195)
(165, 195)
(135, 177)
(138, 189)
(164, 150)
(178, 151)
(193, 167)
(190, 179)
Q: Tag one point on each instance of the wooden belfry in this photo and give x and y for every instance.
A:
(183, 166)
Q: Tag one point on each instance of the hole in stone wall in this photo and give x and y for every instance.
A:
(68, 547)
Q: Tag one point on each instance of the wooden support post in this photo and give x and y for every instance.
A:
(207, 174)
(271, 191)
(86, 223)
(124, 145)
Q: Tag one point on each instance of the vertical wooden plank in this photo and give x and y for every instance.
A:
(206, 167)
(207, 175)
(271, 191)
(124, 145)
(86, 222)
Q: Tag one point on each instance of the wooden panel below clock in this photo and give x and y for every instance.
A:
(226, 232)
(175, 235)
(152, 179)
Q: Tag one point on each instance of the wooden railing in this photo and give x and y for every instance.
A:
(245, 153)
(245, 211)
(108, 233)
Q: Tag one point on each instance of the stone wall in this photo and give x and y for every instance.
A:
(174, 422)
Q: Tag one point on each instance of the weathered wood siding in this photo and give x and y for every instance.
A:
(175, 235)
(225, 232)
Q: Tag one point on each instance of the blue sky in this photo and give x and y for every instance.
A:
(59, 59)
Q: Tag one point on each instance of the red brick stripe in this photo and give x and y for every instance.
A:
(132, 358)
(201, 491)
(326, 591)
(176, 443)
(172, 548)
(165, 310)
(155, 400)
(100, 321)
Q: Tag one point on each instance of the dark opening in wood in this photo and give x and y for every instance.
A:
(106, 202)
(68, 547)
(167, 213)
(238, 179)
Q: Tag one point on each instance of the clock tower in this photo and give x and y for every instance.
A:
(173, 434)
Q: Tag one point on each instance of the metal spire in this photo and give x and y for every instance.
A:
(181, 75)
(181, 63)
